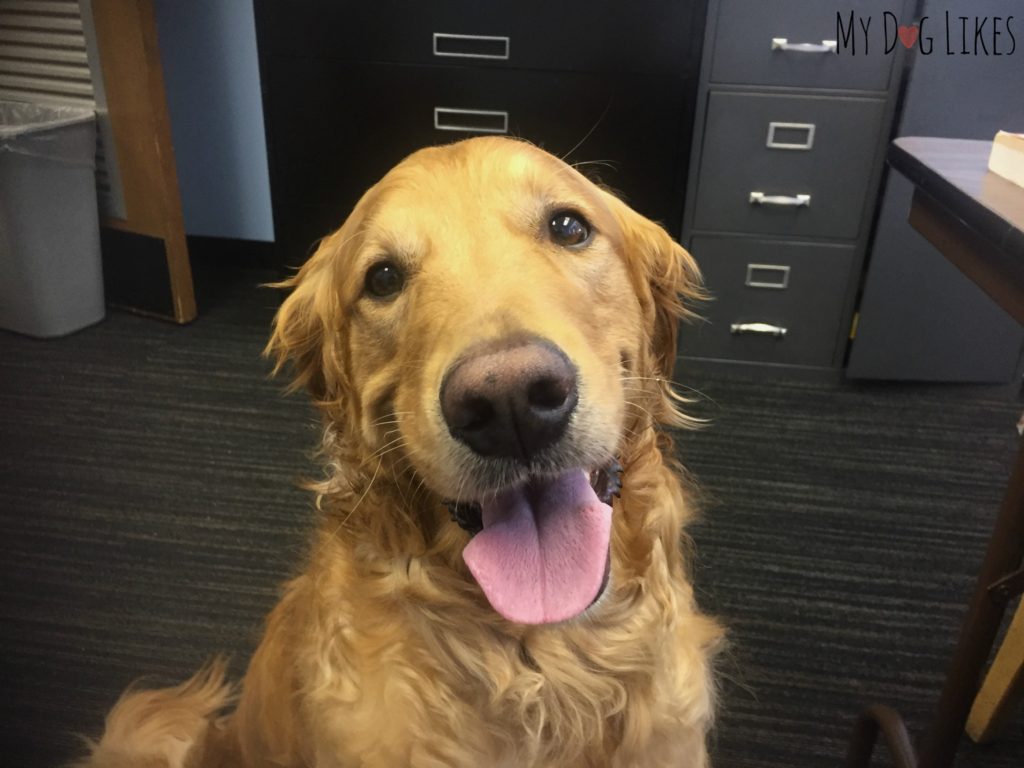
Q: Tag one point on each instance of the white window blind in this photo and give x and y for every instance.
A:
(48, 55)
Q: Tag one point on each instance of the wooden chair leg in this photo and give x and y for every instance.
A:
(1003, 686)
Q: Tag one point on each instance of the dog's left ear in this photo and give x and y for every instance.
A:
(666, 278)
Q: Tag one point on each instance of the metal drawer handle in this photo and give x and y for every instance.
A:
(797, 201)
(782, 44)
(759, 329)
(470, 120)
(471, 46)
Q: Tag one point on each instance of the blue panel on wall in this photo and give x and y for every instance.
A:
(211, 74)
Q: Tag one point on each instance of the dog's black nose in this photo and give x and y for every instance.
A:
(510, 400)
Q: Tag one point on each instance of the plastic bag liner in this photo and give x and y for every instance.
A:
(48, 131)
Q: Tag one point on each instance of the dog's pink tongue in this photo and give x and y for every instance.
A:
(542, 554)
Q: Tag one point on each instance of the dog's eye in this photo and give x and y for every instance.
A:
(384, 280)
(568, 228)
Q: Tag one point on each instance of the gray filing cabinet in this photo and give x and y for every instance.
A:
(789, 144)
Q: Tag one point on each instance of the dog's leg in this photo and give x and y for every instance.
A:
(265, 728)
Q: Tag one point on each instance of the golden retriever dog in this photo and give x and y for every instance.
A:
(499, 576)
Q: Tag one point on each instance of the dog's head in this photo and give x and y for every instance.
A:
(493, 325)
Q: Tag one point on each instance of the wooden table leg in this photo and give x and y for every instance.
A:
(1003, 686)
(984, 615)
(978, 633)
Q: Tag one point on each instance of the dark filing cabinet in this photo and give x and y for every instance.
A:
(790, 140)
(349, 89)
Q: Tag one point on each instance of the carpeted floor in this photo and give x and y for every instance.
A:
(149, 509)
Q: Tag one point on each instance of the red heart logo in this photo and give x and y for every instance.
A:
(908, 35)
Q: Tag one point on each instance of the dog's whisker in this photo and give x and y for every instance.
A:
(605, 163)
(360, 500)
(673, 384)
(630, 433)
(391, 417)
(421, 487)
(386, 448)
(405, 471)
(458, 493)
(630, 404)
(644, 390)
(396, 483)
(389, 452)
(592, 129)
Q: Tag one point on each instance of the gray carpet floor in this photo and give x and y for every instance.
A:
(149, 510)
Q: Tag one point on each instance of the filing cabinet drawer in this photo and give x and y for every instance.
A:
(775, 301)
(787, 165)
(744, 52)
(577, 35)
(323, 159)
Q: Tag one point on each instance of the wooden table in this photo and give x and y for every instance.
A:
(976, 220)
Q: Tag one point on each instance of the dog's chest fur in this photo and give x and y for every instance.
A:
(393, 678)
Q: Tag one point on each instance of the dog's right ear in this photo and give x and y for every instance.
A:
(307, 328)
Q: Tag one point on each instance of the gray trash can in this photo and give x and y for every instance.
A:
(51, 275)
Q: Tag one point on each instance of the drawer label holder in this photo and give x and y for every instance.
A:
(778, 132)
(471, 46)
(767, 276)
(470, 120)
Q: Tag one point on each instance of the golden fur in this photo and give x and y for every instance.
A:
(384, 652)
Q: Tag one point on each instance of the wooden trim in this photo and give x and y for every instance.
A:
(136, 102)
(174, 233)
